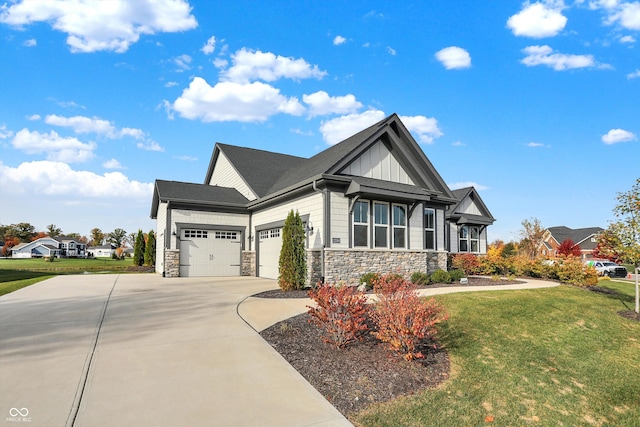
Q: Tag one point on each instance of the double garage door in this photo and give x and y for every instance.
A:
(210, 253)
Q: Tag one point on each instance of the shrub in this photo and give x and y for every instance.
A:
(402, 319)
(292, 265)
(575, 272)
(369, 279)
(341, 311)
(440, 276)
(419, 278)
(468, 263)
(456, 275)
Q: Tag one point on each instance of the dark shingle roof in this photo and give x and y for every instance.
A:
(258, 167)
(562, 233)
(187, 192)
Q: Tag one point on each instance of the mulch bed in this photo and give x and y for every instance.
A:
(364, 373)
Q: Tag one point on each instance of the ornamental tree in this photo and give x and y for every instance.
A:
(292, 265)
(138, 249)
(568, 247)
(150, 250)
(627, 231)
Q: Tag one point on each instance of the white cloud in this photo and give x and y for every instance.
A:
(338, 40)
(458, 185)
(248, 66)
(82, 124)
(537, 20)
(170, 84)
(34, 117)
(535, 144)
(322, 104)
(186, 158)
(544, 55)
(112, 164)
(459, 144)
(424, 129)
(220, 63)
(634, 75)
(50, 178)
(30, 43)
(183, 62)
(209, 46)
(301, 132)
(55, 147)
(106, 25)
(150, 145)
(336, 130)
(627, 39)
(391, 51)
(5, 133)
(618, 135)
(231, 101)
(626, 14)
(454, 57)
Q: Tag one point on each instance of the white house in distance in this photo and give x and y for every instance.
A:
(372, 203)
(61, 246)
(102, 251)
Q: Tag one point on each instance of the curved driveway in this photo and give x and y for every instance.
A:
(118, 350)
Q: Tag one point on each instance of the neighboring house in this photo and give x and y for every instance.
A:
(585, 238)
(372, 203)
(102, 251)
(50, 246)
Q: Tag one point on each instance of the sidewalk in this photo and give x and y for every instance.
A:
(261, 313)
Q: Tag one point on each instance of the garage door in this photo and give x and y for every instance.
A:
(269, 252)
(209, 253)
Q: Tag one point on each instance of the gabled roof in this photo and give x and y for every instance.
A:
(463, 218)
(578, 235)
(259, 168)
(195, 194)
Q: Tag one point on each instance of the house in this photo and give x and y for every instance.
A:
(61, 246)
(372, 203)
(585, 238)
(102, 251)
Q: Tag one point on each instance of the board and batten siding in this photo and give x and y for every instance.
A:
(416, 229)
(468, 206)
(378, 163)
(311, 205)
(161, 225)
(440, 230)
(225, 175)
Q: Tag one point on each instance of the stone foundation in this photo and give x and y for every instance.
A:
(314, 266)
(172, 263)
(349, 265)
(248, 263)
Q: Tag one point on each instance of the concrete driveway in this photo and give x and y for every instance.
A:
(118, 350)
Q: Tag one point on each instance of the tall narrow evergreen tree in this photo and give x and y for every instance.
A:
(293, 258)
(150, 250)
(138, 249)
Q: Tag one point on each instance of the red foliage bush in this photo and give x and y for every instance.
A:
(341, 311)
(469, 263)
(402, 318)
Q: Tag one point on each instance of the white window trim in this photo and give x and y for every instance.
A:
(435, 242)
(387, 226)
(354, 224)
(394, 226)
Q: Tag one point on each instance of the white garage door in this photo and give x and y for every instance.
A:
(269, 252)
(209, 253)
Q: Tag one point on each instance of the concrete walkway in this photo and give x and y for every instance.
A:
(125, 350)
(261, 313)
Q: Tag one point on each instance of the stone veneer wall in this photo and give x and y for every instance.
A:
(248, 263)
(172, 263)
(314, 266)
(349, 265)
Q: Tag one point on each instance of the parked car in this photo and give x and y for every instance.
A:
(608, 268)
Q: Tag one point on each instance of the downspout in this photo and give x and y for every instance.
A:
(324, 226)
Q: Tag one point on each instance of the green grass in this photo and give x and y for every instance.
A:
(559, 356)
(19, 273)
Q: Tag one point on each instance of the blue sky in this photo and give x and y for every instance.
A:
(536, 104)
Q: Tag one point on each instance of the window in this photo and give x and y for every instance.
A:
(381, 225)
(195, 234)
(430, 228)
(361, 224)
(270, 234)
(399, 226)
(226, 235)
(469, 238)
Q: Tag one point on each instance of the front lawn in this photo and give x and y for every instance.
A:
(19, 273)
(559, 356)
